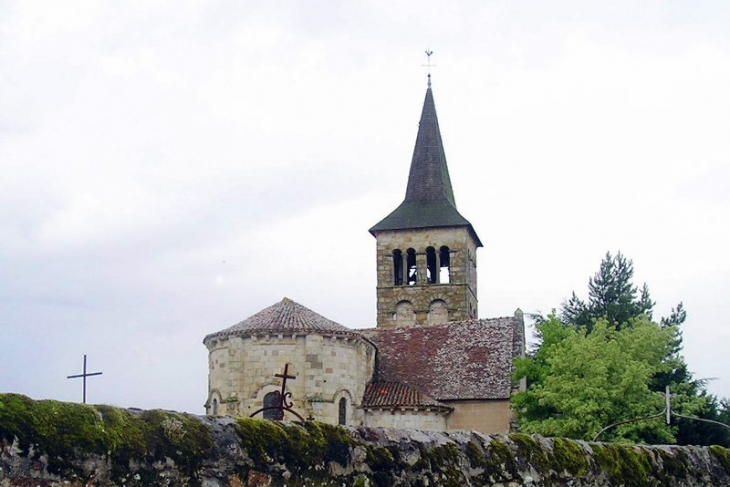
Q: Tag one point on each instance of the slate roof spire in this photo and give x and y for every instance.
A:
(429, 200)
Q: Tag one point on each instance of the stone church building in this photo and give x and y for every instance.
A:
(430, 363)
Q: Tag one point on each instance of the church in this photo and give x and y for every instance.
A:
(430, 363)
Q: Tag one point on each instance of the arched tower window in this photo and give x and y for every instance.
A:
(343, 411)
(397, 267)
(445, 263)
(431, 274)
(271, 400)
(215, 406)
(412, 269)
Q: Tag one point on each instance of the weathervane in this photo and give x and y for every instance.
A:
(84, 376)
(428, 65)
(284, 401)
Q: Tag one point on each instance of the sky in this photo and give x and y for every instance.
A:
(169, 168)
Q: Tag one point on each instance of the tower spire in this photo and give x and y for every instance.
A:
(426, 251)
(429, 200)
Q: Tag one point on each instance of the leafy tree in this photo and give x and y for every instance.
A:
(614, 302)
(589, 380)
(611, 295)
(684, 387)
(693, 432)
(723, 414)
(536, 367)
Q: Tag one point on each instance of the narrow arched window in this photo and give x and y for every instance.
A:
(215, 407)
(343, 411)
(431, 274)
(445, 265)
(397, 267)
(411, 265)
(272, 400)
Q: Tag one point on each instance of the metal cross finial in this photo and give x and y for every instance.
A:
(428, 64)
(84, 376)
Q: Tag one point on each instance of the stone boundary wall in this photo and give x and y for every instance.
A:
(49, 443)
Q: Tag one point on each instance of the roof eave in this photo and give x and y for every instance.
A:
(375, 230)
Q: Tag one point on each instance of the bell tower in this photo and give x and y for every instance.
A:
(426, 251)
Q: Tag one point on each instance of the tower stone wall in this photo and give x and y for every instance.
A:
(426, 250)
(400, 303)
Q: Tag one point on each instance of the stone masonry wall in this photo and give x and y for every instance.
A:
(49, 443)
(327, 368)
(459, 293)
(483, 415)
(422, 419)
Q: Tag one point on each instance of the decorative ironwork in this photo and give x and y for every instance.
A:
(284, 400)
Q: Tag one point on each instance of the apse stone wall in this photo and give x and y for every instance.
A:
(49, 443)
(327, 368)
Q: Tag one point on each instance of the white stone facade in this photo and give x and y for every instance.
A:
(327, 368)
(420, 419)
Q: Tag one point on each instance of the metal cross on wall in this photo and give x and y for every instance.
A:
(84, 376)
(284, 403)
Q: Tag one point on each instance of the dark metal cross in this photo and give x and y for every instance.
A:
(285, 403)
(285, 376)
(283, 395)
(84, 376)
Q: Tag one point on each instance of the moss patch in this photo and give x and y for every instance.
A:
(722, 455)
(498, 462)
(624, 465)
(444, 462)
(531, 451)
(308, 447)
(57, 428)
(570, 457)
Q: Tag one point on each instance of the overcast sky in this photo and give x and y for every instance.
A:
(170, 168)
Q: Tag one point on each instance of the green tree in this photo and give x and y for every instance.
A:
(585, 381)
(616, 302)
(535, 367)
(611, 295)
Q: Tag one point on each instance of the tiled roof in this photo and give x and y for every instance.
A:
(429, 200)
(459, 360)
(394, 394)
(285, 316)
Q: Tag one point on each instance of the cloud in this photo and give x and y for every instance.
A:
(169, 169)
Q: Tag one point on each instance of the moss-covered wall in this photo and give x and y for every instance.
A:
(48, 443)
